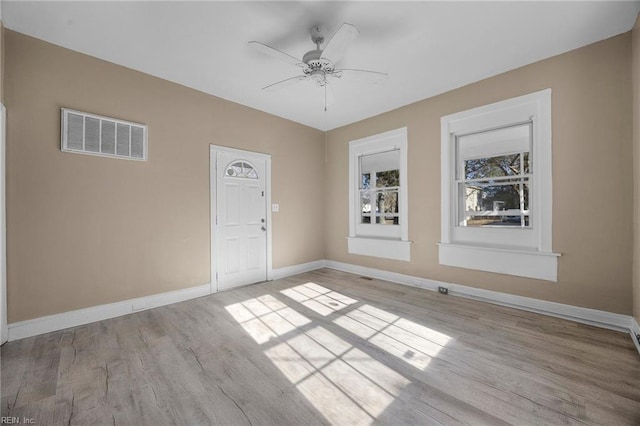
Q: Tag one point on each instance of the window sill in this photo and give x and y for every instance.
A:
(380, 247)
(512, 261)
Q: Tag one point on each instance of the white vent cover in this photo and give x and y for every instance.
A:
(96, 135)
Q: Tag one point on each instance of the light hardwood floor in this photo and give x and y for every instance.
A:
(325, 347)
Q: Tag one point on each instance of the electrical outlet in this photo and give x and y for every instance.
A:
(275, 207)
(443, 290)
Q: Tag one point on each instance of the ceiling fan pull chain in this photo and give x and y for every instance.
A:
(325, 96)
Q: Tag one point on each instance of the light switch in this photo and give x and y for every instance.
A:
(275, 207)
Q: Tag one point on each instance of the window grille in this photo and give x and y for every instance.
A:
(241, 169)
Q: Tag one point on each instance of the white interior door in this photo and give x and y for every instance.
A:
(241, 219)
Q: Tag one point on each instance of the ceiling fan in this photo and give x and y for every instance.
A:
(318, 65)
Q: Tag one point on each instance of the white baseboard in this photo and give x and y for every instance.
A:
(380, 274)
(635, 333)
(618, 322)
(288, 271)
(41, 325)
(593, 317)
(33, 327)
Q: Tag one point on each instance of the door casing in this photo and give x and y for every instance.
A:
(213, 151)
(4, 331)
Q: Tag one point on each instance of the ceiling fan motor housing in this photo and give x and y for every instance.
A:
(312, 55)
(317, 67)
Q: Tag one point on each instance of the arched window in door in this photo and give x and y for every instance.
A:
(241, 169)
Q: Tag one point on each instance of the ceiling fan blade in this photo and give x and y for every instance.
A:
(274, 53)
(364, 75)
(339, 43)
(284, 83)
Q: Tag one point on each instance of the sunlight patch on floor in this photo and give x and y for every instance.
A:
(411, 342)
(346, 385)
(319, 299)
(265, 317)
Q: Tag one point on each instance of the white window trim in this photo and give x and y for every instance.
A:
(538, 262)
(382, 245)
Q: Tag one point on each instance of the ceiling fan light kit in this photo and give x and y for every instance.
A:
(319, 64)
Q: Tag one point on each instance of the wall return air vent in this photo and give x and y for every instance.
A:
(92, 134)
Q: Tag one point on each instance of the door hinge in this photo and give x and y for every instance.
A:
(263, 193)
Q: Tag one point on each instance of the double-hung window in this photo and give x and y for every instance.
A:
(378, 196)
(496, 188)
(493, 184)
(379, 192)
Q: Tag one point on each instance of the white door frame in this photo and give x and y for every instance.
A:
(213, 151)
(4, 331)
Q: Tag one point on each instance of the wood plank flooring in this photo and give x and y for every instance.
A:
(325, 347)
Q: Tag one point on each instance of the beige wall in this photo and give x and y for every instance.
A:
(86, 230)
(636, 167)
(83, 230)
(592, 177)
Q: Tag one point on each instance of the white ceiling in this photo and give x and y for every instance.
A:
(426, 47)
